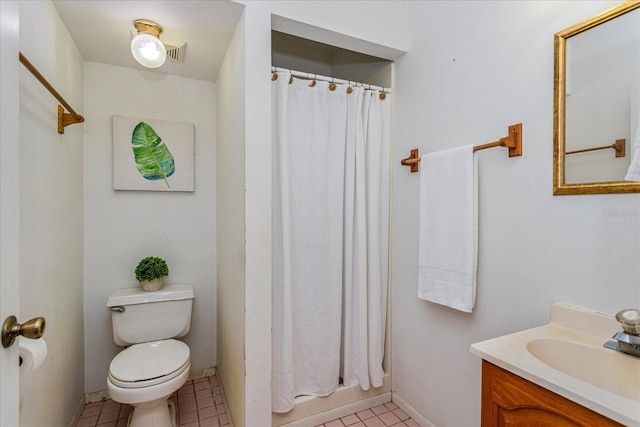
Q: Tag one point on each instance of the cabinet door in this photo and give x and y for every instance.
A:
(508, 400)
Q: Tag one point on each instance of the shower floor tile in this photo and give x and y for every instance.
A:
(378, 416)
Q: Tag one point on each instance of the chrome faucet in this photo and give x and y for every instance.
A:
(628, 340)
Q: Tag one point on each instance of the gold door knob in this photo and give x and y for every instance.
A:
(33, 328)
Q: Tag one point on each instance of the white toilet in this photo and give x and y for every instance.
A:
(154, 365)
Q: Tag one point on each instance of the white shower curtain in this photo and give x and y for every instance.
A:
(330, 238)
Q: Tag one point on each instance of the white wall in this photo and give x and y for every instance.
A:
(244, 176)
(258, 216)
(473, 69)
(230, 172)
(318, 20)
(376, 28)
(51, 216)
(122, 227)
(9, 202)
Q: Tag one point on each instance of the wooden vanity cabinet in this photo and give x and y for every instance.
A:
(509, 400)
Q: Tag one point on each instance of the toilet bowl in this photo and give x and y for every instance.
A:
(145, 375)
(154, 365)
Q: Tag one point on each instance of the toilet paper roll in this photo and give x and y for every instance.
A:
(32, 353)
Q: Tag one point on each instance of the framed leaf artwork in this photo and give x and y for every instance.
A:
(152, 155)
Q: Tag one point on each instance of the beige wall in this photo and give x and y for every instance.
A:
(51, 217)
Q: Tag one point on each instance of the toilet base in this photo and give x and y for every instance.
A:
(150, 404)
(153, 415)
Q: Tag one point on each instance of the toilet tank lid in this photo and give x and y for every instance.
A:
(138, 295)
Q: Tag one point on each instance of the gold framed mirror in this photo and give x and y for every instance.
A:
(597, 102)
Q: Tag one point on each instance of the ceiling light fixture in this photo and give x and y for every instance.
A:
(146, 47)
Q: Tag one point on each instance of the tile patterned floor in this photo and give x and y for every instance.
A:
(200, 403)
(379, 416)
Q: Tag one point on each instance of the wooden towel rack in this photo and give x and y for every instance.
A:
(64, 119)
(513, 141)
(619, 146)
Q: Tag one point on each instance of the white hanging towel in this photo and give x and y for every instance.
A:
(448, 239)
(633, 173)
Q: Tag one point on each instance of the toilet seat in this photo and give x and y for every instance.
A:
(150, 363)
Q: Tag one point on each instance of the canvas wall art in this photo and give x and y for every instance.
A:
(152, 155)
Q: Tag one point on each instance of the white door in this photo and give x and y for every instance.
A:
(9, 206)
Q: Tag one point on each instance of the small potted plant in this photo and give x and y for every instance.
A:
(150, 273)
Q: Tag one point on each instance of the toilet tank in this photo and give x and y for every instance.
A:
(139, 316)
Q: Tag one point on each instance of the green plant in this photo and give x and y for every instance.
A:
(150, 268)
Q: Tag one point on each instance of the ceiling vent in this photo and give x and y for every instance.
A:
(175, 50)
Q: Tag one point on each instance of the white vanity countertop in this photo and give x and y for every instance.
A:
(577, 325)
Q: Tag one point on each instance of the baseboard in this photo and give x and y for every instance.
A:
(97, 396)
(202, 373)
(417, 417)
(79, 409)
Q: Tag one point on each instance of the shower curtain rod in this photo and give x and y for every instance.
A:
(312, 76)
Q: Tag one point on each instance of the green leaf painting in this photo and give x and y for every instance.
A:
(153, 159)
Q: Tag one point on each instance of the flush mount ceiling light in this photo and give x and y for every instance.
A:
(146, 47)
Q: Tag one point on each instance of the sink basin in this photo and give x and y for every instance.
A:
(567, 357)
(600, 367)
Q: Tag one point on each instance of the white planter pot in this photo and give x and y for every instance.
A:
(152, 285)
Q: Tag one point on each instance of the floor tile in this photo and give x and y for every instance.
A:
(350, 419)
(210, 422)
(380, 409)
(195, 405)
(188, 417)
(199, 403)
(208, 412)
(187, 407)
(188, 397)
(374, 422)
(389, 418)
(367, 413)
(88, 422)
(90, 411)
(391, 406)
(401, 414)
(106, 417)
(206, 402)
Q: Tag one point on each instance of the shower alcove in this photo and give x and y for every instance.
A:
(300, 54)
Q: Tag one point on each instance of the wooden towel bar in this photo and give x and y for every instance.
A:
(513, 141)
(64, 119)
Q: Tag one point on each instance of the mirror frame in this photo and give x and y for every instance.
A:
(559, 86)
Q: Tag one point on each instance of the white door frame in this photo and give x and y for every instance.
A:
(9, 205)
